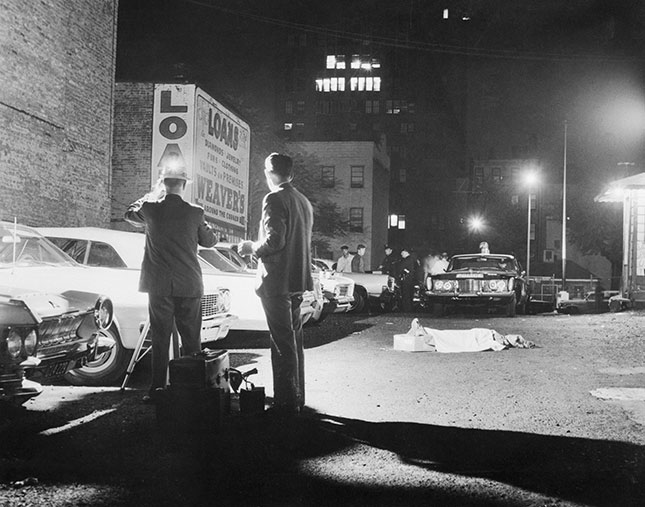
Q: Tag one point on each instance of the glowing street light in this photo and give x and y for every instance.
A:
(530, 180)
(476, 223)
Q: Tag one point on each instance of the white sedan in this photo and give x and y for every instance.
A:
(30, 261)
(121, 249)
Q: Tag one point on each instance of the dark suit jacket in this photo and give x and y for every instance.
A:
(284, 246)
(174, 228)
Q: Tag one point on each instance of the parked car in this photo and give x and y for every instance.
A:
(375, 289)
(586, 304)
(122, 249)
(338, 290)
(37, 264)
(479, 279)
(44, 336)
(230, 250)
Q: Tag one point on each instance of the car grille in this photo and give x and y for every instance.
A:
(212, 304)
(58, 331)
(470, 285)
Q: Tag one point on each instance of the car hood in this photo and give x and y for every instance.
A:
(43, 305)
(121, 285)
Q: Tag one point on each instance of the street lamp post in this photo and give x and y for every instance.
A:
(531, 179)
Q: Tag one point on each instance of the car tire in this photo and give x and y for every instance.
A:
(107, 369)
(360, 300)
(511, 306)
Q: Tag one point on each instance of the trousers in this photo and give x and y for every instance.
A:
(287, 349)
(164, 311)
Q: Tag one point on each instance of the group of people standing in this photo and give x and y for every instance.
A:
(405, 267)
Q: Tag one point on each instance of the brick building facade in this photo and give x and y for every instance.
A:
(355, 175)
(58, 64)
(131, 165)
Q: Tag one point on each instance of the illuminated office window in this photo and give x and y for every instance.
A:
(288, 126)
(336, 61)
(356, 62)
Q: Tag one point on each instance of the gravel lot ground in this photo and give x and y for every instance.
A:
(560, 424)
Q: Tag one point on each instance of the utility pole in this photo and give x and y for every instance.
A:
(564, 211)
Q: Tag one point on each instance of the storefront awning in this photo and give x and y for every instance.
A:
(615, 191)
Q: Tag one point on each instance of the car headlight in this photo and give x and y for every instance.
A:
(495, 285)
(30, 342)
(225, 300)
(103, 312)
(14, 343)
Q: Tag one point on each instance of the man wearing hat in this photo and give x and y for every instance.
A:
(388, 264)
(170, 271)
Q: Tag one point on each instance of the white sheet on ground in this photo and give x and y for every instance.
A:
(467, 340)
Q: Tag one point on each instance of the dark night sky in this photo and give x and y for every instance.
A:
(226, 45)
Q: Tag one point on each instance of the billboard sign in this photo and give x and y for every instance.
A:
(215, 145)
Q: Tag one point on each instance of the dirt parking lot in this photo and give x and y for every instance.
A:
(560, 424)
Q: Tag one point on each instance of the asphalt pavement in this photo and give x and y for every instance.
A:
(559, 424)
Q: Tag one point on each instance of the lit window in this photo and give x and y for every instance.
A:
(369, 84)
(319, 85)
(376, 64)
(401, 224)
(326, 84)
(334, 84)
(341, 84)
(356, 62)
(335, 61)
(361, 84)
(366, 66)
(377, 84)
(445, 14)
(357, 176)
(355, 219)
(288, 126)
(327, 176)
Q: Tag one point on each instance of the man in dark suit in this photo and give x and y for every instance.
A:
(284, 273)
(170, 272)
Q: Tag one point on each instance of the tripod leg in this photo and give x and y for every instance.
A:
(137, 355)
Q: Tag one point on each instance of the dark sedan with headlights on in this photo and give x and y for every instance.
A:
(490, 280)
(43, 336)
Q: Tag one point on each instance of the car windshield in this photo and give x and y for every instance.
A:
(25, 247)
(482, 262)
(218, 261)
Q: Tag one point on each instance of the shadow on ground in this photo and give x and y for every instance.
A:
(256, 460)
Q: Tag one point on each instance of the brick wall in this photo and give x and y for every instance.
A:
(57, 59)
(133, 112)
